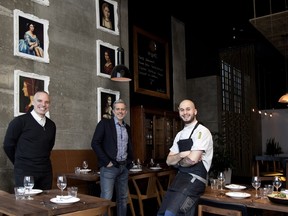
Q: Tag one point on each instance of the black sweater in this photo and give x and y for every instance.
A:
(28, 145)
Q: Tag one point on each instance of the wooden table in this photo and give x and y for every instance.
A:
(251, 202)
(94, 176)
(41, 204)
(88, 177)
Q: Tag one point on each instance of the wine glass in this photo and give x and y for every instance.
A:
(256, 183)
(221, 179)
(85, 164)
(28, 184)
(61, 183)
(277, 183)
(139, 166)
(152, 162)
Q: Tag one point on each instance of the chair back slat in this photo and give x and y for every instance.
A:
(145, 187)
(164, 179)
(219, 208)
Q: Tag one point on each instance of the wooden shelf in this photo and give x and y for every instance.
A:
(153, 132)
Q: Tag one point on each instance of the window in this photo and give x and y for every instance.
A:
(231, 82)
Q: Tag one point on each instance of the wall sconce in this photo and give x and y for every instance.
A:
(120, 72)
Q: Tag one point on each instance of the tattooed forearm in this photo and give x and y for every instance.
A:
(186, 162)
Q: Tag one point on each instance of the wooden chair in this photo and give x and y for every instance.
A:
(267, 167)
(218, 208)
(98, 211)
(164, 179)
(145, 188)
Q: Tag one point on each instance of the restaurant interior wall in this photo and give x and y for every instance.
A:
(275, 127)
(72, 68)
(73, 84)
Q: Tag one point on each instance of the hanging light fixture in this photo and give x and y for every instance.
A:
(284, 98)
(120, 72)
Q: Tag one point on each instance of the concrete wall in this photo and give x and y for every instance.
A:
(203, 91)
(179, 62)
(72, 69)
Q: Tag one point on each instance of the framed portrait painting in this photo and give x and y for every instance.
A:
(43, 2)
(25, 86)
(30, 37)
(105, 99)
(106, 58)
(107, 16)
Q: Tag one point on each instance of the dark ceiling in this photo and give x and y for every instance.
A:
(214, 25)
(226, 23)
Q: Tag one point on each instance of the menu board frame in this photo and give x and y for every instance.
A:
(151, 64)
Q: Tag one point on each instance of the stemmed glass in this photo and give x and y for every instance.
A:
(28, 184)
(152, 162)
(256, 183)
(139, 166)
(221, 179)
(61, 183)
(85, 164)
(277, 183)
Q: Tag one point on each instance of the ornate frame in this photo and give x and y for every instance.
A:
(103, 94)
(39, 83)
(102, 47)
(113, 5)
(21, 20)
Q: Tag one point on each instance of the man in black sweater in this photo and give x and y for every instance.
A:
(29, 141)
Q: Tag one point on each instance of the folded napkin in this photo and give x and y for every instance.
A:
(63, 197)
(135, 169)
(234, 185)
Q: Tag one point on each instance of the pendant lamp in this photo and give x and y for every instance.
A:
(120, 72)
(283, 99)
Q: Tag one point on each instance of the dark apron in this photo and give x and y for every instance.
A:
(184, 192)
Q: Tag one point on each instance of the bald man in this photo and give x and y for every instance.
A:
(191, 153)
(29, 141)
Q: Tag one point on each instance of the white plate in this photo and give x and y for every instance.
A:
(238, 195)
(155, 168)
(235, 187)
(65, 200)
(135, 170)
(33, 192)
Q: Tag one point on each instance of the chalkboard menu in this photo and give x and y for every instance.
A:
(151, 65)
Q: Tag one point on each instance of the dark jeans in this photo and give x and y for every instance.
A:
(117, 177)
